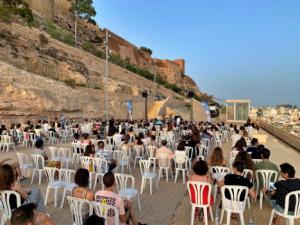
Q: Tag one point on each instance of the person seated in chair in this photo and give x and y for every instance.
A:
(27, 215)
(111, 198)
(281, 189)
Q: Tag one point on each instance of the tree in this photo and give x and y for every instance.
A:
(83, 9)
(145, 49)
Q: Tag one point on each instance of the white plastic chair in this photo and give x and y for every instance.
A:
(5, 204)
(189, 151)
(206, 142)
(39, 166)
(218, 139)
(24, 163)
(164, 164)
(290, 217)
(181, 165)
(54, 154)
(196, 191)
(89, 164)
(125, 190)
(248, 174)
(66, 176)
(8, 142)
(234, 205)
(256, 160)
(139, 153)
(101, 169)
(151, 151)
(76, 206)
(52, 138)
(218, 173)
(267, 177)
(201, 151)
(102, 210)
(123, 158)
(25, 139)
(32, 139)
(53, 183)
(66, 157)
(147, 174)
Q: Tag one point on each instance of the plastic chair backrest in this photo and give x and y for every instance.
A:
(189, 151)
(76, 207)
(151, 151)
(235, 192)
(145, 166)
(54, 152)
(198, 192)
(23, 159)
(5, 203)
(295, 195)
(105, 210)
(139, 150)
(51, 172)
(164, 161)
(267, 177)
(66, 175)
(219, 172)
(38, 161)
(86, 162)
(123, 181)
(101, 165)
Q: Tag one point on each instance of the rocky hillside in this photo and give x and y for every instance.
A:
(42, 73)
(43, 76)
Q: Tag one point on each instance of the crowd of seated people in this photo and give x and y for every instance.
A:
(129, 134)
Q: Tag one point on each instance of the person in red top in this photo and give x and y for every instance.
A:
(200, 173)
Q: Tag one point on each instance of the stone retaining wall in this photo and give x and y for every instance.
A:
(285, 136)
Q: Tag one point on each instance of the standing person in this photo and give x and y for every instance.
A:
(62, 121)
(107, 196)
(282, 188)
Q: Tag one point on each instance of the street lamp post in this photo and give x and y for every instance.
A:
(106, 75)
(145, 95)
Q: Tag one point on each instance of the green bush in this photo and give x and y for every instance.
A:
(59, 34)
(87, 46)
(5, 12)
(9, 10)
(68, 38)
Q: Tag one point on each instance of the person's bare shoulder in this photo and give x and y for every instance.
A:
(44, 219)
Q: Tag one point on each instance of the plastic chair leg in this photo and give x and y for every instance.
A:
(63, 198)
(193, 215)
(228, 217)
(271, 217)
(47, 194)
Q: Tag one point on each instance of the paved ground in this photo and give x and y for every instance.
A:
(170, 204)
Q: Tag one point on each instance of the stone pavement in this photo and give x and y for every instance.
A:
(170, 204)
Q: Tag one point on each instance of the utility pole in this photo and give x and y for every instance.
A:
(154, 71)
(106, 75)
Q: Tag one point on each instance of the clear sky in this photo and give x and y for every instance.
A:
(233, 48)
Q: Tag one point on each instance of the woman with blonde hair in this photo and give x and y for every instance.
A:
(217, 158)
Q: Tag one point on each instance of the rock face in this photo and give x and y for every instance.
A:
(46, 78)
(59, 11)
